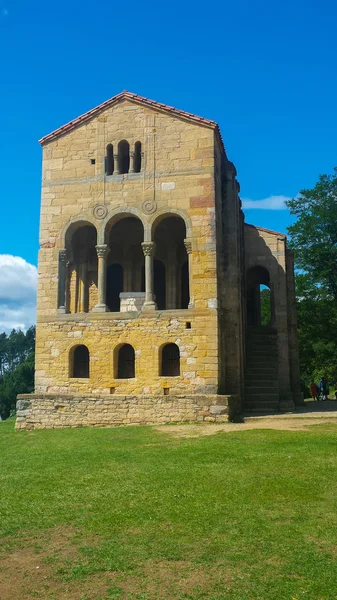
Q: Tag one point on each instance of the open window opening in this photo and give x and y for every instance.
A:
(259, 297)
(170, 361)
(79, 362)
(109, 160)
(125, 362)
(123, 157)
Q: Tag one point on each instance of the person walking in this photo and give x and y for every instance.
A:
(323, 388)
(313, 390)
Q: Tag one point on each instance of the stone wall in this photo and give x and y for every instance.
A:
(176, 178)
(51, 411)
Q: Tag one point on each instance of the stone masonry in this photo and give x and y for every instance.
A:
(148, 275)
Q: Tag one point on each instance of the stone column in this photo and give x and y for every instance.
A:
(102, 252)
(148, 249)
(62, 307)
(116, 169)
(131, 166)
(188, 246)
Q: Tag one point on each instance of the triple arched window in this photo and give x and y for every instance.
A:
(126, 160)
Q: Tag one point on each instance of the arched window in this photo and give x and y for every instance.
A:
(125, 362)
(79, 362)
(123, 157)
(170, 361)
(137, 161)
(109, 160)
(259, 297)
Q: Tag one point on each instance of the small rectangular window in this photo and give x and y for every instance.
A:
(166, 391)
(93, 161)
(188, 325)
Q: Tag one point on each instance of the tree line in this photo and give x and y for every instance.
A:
(313, 238)
(16, 367)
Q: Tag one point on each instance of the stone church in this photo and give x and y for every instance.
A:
(149, 290)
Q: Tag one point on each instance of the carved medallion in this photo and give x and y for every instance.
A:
(149, 207)
(100, 211)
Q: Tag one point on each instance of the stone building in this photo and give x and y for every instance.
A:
(149, 286)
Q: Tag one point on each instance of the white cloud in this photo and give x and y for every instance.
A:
(271, 203)
(18, 280)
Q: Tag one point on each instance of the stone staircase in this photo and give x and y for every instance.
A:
(261, 373)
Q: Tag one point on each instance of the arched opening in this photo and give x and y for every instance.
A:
(109, 160)
(125, 362)
(159, 277)
(259, 298)
(170, 361)
(125, 261)
(123, 157)
(137, 159)
(169, 236)
(79, 362)
(81, 276)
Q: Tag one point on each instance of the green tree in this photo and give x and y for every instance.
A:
(16, 367)
(313, 236)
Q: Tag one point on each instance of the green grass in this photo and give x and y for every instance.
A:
(238, 516)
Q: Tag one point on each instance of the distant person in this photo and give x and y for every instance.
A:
(323, 388)
(314, 390)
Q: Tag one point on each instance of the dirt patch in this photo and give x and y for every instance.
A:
(286, 423)
(31, 571)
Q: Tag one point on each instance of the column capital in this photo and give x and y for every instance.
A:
(188, 246)
(148, 248)
(102, 250)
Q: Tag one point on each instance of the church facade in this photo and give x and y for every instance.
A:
(149, 289)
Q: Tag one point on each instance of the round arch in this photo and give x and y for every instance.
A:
(115, 215)
(166, 213)
(79, 361)
(72, 226)
(124, 361)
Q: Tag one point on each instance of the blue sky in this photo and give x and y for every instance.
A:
(265, 71)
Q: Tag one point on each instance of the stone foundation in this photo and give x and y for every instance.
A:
(53, 411)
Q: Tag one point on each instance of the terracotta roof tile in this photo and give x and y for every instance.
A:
(134, 98)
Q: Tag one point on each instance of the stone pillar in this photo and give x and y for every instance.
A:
(281, 322)
(102, 252)
(188, 246)
(148, 249)
(131, 166)
(62, 307)
(116, 169)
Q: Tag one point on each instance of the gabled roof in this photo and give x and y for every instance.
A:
(266, 230)
(138, 100)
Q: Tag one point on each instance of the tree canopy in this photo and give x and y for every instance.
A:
(313, 238)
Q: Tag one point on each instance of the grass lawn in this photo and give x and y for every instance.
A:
(134, 513)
